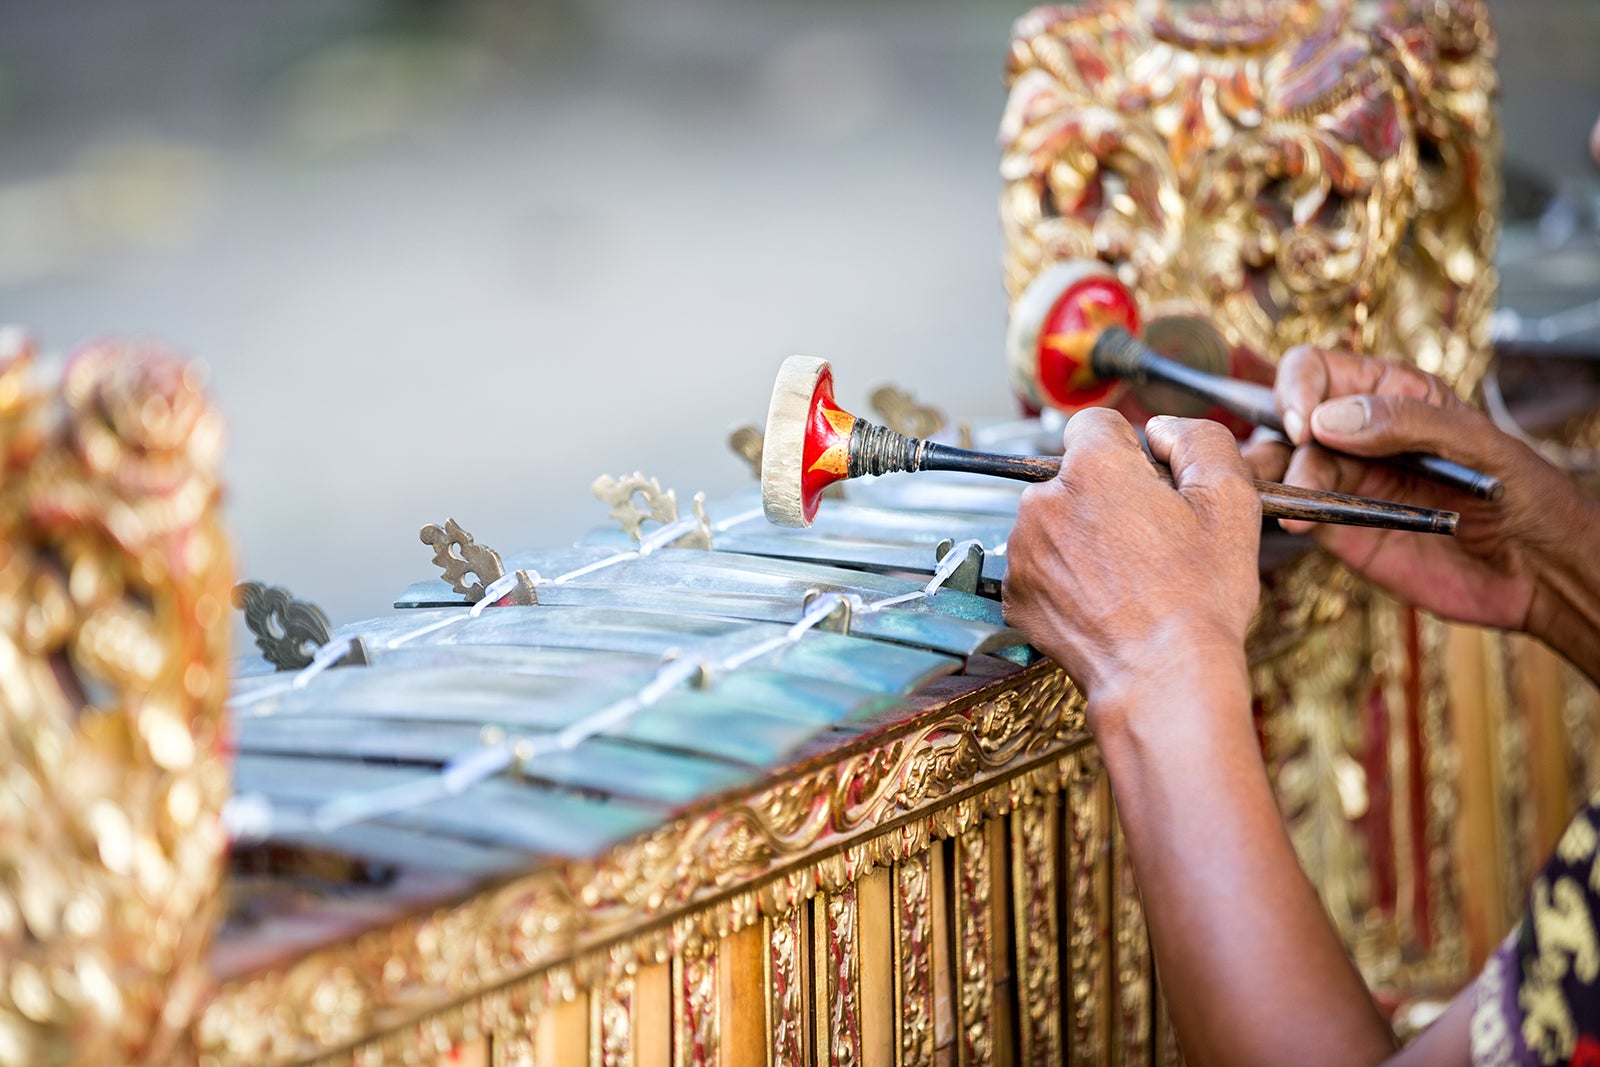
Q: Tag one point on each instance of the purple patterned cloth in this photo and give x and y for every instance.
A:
(1537, 1001)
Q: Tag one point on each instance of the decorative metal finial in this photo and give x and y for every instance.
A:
(287, 631)
(746, 442)
(900, 411)
(459, 558)
(655, 504)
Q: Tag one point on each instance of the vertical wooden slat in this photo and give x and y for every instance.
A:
(836, 933)
(1478, 836)
(945, 1013)
(1003, 1000)
(1034, 881)
(652, 1016)
(913, 959)
(1538, 686)
(875, 912)
(785, 985)
(741, 997)
(562, 1035)
(975, 991)
(696, 1035)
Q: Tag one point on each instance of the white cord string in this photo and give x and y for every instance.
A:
(254, 816)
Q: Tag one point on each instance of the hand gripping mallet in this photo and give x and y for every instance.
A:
(1072, 342)
(811, 443)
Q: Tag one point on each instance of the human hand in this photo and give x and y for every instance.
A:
(1123, 579)
(1489, 572)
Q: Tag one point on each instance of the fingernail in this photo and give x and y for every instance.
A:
(1341, 416)
(1159, 420)
(1294, 424)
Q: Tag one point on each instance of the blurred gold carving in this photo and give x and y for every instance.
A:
(974, 882)
(1131, 943)
(783, 982)
(1033, 849)
(1311, 171)
(838, 962)
(1087, 906)
(113, 646)
(900, 412)
(913, 906)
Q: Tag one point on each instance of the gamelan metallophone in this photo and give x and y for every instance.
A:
(789, 797)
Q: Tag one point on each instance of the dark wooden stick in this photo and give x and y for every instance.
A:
(1118, 354)
(1278, 501)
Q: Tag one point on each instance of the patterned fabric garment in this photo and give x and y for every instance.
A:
(1538, 998)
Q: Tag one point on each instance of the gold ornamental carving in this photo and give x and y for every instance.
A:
(1085, 886)
(1298, 171)
(913, 914)
(1034, 889)
(974, 884)
(113, 652)
(838, 964)
(787, 1027)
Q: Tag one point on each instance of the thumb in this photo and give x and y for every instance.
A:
(1371, 425)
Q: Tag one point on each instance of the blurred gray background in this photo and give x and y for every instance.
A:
(457, 259)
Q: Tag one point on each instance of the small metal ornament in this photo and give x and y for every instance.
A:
(746, 443)
(459, 557)
(659, 505)
(287, 631)
(900, 411)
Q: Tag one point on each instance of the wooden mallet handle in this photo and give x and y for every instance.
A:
(811, 443)
(1278, 501)
(1119, 354)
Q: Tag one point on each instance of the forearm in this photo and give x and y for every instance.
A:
(1250, 964)
(1565, 612)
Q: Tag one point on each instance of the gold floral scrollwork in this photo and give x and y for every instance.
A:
(1131, 945)
(900, 412)
(613, 1013)
(460, 558)
(1034, 885)
(695, 1026)
(787, 1037)
(635, 500)
(287, 631)
(1313, 745)
(837, 924)
(114, 580)
(1086, 906)
(974, 882)
(913, 951)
